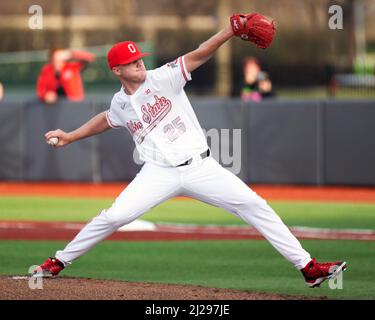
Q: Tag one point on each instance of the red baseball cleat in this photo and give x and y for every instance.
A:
(49, 268)
(315, 273)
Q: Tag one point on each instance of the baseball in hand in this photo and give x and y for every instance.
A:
(53, 141)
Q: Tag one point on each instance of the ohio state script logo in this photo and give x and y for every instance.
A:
(161, 106)
(152, 114)
(134, 126)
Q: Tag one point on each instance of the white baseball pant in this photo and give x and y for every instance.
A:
(203, 179)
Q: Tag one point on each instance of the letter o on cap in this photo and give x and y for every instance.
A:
(131, 48)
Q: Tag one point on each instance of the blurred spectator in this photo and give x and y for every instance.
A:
(61, 78)
(257, 84)
(1, 91)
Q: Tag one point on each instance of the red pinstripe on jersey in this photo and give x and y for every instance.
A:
(183, 69)
(109, 121)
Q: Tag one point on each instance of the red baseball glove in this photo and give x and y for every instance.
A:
(253, 27)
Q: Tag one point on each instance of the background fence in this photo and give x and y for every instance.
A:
(292, 142)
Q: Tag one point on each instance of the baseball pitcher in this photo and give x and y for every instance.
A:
(153, 107)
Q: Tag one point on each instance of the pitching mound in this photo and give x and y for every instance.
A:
(64, 288)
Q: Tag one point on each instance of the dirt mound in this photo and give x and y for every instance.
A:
(64, 288)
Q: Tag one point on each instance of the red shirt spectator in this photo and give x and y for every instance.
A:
(61, 77)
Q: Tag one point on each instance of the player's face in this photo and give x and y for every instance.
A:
(134, 71)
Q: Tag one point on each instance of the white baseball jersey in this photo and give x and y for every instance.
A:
(160, 117)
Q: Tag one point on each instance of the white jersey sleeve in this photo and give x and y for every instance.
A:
(174, 75)
(112, 114)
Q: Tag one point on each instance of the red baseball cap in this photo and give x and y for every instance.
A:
(124, 53)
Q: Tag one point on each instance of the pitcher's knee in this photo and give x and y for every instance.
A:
(118, 218)
(252, 204)
(255, 201)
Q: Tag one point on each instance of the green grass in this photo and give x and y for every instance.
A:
(50, 209)
(245, 265)
(311, 214)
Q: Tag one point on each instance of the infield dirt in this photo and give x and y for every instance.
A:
(65, 288)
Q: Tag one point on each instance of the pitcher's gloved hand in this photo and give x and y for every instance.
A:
(253, 27)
